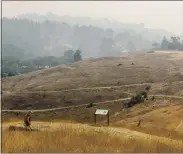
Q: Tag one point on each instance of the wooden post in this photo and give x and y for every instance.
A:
(108, 118)
(95, 118)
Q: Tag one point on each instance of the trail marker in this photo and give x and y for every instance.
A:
(101, 112)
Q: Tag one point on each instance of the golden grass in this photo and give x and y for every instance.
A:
(82, 138)
(160, 121)
(93, 73)
(156, 131)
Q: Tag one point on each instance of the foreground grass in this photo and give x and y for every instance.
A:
(70, 138)
(172, 134)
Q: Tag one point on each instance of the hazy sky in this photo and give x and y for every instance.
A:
(163, 14)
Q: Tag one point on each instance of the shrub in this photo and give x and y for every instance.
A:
(89, 105)
(148, 88)
(150, 51)
(144, 94)
(136, 99)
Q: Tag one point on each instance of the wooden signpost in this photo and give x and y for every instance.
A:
(101, 112)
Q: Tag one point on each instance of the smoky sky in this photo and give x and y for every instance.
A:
(166, 15)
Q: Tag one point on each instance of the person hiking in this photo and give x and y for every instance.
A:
(139, 122)
(27, 121)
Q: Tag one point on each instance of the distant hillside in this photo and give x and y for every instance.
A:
(10, 50)
(102, 23)
(51, 35)
(136, 68)
(53, 38)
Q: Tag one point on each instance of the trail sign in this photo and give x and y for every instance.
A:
(101, 112)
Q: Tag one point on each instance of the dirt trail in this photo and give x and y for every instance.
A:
(78, 89)
(74, 106)
(88, 88)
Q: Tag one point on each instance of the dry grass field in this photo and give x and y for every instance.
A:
(83, 138)
(105, 83)
(148, 67)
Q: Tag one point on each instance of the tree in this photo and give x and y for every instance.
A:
(181, 48)
(175, 43)
(164, 44)
(77, 55)
(69, 53)
(69, 56)
(156, 45)
(106, 47)
(131, 47)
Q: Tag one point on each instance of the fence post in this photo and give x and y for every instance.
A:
(95, 119)
(108, 118)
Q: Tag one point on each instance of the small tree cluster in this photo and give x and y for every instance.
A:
(72, 56)
(77, 56)
(137, 99)
(174, 43)
(89, 105)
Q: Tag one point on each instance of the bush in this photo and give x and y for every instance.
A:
(150, 51)
(148, 88)
(77, 56)
(136, 99)
(144, 94)
(89, 105)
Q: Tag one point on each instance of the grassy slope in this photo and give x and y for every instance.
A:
(68, 138)
(160, 117)
(99, 72)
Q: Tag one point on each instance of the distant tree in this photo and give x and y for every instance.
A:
(77, 55)
(156, 45)
(164, 44)
(181, 47)
(69, 56)
(69, 53)
(175, 43)
(106, 47)
(131, 47)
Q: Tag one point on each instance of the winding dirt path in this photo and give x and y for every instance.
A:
(88, 88)
(72, 106)
(75, 106)
(78, 89)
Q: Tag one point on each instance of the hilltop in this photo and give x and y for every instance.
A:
(132, 69)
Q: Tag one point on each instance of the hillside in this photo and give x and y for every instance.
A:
(89, 139)
(62, 94)
(131, 69)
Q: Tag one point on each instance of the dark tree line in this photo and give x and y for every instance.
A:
(174, 43)
(50, 38)
(12, 65)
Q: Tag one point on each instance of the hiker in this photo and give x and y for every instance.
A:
(27, 121)
(139, 122)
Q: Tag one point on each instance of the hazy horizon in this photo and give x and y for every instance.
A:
(156, 15)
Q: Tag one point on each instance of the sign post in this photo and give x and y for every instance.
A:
(101, 112)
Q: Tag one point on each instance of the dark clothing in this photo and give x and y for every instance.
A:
(27, 123)
(27, 120)
(139, 122)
